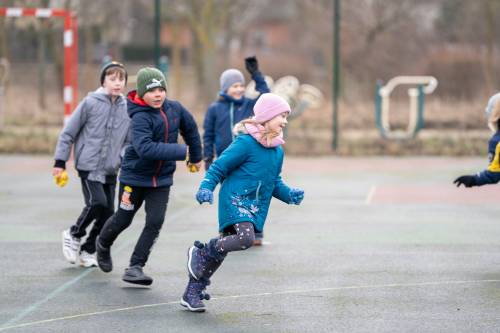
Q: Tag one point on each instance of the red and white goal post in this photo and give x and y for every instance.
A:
(70, 41)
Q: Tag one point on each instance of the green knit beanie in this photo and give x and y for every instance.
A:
(149, 78)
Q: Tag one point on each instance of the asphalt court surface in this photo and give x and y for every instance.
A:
(379, 244)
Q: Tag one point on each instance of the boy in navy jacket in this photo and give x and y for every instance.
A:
(147, 168)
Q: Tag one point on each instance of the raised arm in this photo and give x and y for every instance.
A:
(252, 66)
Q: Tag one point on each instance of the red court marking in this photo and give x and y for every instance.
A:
(327, 165)
(436, 194)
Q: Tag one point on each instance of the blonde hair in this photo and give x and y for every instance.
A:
(494, 118)
(267, 134)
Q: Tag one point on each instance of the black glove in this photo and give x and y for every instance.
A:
(252, 65)
(208, 163)
(467, 181)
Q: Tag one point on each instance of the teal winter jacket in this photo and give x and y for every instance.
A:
(249, 174)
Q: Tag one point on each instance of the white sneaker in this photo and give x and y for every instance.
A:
(87, 259)
(70, 246)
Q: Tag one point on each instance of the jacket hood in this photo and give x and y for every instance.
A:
(136, 104)
(102, 95)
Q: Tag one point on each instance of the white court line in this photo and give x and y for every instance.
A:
(370, 195)
(285, 292)
(35, 305)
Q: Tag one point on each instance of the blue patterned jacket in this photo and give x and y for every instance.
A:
(250, 177)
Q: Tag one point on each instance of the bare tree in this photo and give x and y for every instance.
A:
(212, 24)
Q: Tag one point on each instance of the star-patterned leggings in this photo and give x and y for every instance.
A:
(237, 237)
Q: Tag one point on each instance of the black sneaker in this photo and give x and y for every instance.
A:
(135, 275)
(103, 257)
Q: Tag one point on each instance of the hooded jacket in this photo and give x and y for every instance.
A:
(98, 129)
(150, 160)
(250, 175)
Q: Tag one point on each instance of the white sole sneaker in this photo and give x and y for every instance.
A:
(70, 247)
(87, 259)
(190, 258)
(186, 305)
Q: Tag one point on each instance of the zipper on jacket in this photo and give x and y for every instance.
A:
(160, 163)
(231, 120)
(257, 192)
(101, 164)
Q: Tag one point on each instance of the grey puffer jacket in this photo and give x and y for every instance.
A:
(99, 131)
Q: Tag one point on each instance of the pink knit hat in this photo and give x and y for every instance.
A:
(269, 106)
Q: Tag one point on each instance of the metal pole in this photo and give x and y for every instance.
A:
(336, 70)
(157, 33)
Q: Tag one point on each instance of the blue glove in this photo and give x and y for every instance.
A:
(296, 196)
(205, 195)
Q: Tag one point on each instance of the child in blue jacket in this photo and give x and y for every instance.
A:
(492, 173)
(249, 171)
(147, 169)
(231, 107)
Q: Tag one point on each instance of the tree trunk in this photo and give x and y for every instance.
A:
(176, 81)
(199, 65)
(489, 68)
(89, 75)
(210, 87)
(42, 65)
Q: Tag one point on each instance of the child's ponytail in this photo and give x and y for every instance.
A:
(267, 134)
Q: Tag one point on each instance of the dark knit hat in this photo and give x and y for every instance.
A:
(110, 65)
(149, 78)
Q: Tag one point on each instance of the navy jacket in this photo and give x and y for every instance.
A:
(219, 120)
(492, 174)
(150, 160)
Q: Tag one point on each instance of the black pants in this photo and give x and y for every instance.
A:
(99, 206)
(131, 199)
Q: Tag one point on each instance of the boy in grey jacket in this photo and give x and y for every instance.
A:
(97, 130)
